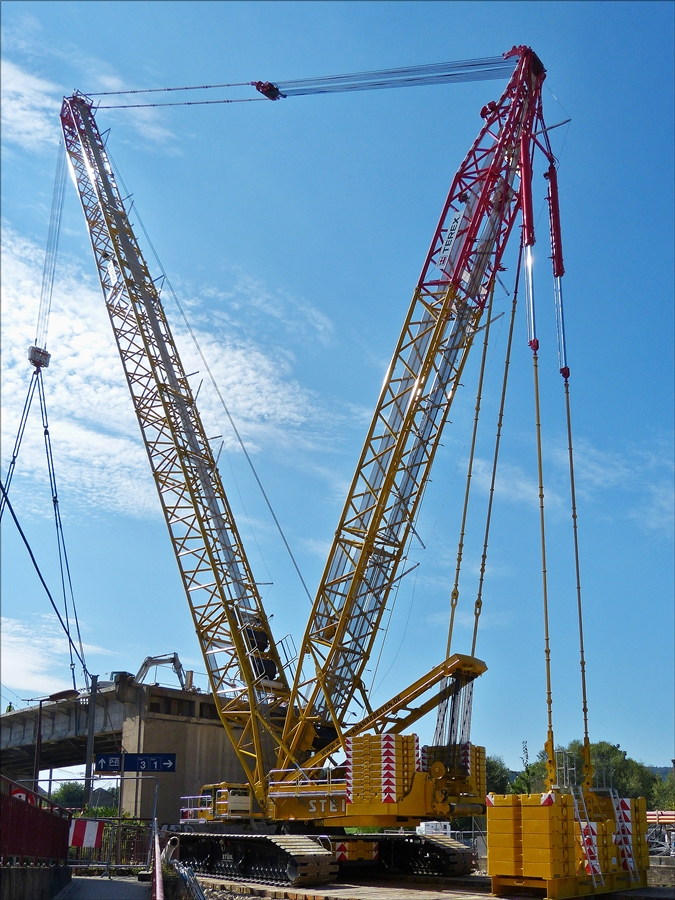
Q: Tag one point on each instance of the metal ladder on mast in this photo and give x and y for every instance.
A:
(625, 838)
(585, 825)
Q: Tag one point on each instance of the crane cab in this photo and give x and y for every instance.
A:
(220, 803)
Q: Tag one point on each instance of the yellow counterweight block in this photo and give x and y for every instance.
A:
(381, 767)
(541, 841)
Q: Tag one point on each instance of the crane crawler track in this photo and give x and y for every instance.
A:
(285, 859)
(425, 855)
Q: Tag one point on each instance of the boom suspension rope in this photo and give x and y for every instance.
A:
(558, 272)
(454, 596)
(485, 69)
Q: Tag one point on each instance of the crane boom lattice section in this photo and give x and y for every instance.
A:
(244, 668)
(418, 391)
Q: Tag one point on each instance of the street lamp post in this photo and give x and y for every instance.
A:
(59, 695)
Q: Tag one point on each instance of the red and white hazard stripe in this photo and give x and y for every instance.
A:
(348, 769)
(388, 745)
(86, 833)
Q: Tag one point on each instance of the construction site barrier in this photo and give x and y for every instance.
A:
(34, 830)
(123, 845)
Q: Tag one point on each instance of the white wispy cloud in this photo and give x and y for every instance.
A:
(33, 650)
(317, 547)
(30, 107)
(513, 484)
(277, 307)
(640, 476)
(100, 458)
(31, 104)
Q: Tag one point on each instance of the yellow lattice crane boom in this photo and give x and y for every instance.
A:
(245, 672)
(413, 406)
(306, 766)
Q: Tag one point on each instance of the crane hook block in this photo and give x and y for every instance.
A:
(38, 357)
(269, 90)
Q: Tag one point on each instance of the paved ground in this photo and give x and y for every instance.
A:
(96, 888)
(389, 890)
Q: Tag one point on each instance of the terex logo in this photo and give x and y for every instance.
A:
(453, 229)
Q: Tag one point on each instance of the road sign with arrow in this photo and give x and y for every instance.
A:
(135, 762)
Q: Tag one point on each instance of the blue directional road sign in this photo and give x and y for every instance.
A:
(108, 762)
(135, 762)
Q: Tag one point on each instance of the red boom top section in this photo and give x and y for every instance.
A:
(493, 182)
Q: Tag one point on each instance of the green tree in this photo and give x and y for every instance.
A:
(613, 768)
(628, 776)
(69, 794)
(497, 775)
(663, 793)
(532, 779)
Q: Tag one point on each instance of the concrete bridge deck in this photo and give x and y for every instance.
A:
(136, 717)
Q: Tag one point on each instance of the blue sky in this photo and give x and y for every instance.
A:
(294, 233)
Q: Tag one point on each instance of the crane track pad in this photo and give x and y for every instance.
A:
(286, 859)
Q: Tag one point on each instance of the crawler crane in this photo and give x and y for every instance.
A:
(307, 771)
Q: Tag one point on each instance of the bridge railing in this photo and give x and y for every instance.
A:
(34, 830)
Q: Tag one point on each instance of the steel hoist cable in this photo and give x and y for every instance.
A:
(485, 69)
(493, 478)
(588, 771)
(441, 733)
(534, 344)
(64, 565)
(558, 272)
(39, 358)
(454, 595)
(19, 438)
(53, 235)
(41, 577)
(37, 354)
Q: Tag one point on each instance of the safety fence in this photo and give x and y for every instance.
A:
(34, 830)
(114, 844)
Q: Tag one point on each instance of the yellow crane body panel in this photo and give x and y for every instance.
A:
(566, 848)
(387, 780)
